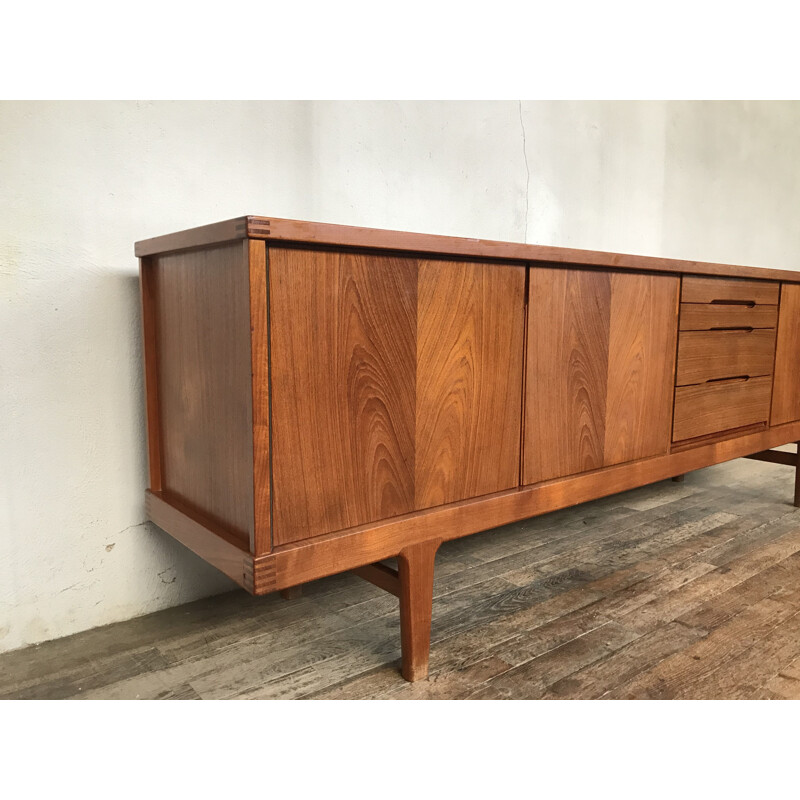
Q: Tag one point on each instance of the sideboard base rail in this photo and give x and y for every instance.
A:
(776, 457)
(789, 460)
(382, 576)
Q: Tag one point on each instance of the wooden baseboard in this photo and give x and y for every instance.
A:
(381, 576)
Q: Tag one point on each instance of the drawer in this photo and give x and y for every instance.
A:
(720, 406)
(729, 291)
(716, 316)
(711, 355)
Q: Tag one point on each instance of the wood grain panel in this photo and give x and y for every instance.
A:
(708, 316)
(600, 363)
(201, 311)
(396, 385)
(786, 391)
(641, 364)
(261, 540)
(469, 378)
(711, 407)
(720, 290)
(567, 369)
(711, 355)
(343, 344)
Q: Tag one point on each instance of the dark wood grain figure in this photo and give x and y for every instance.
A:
(599, 370)
(565, 409)
(343, 344)
(469, 370)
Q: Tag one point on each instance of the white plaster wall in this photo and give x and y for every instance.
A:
(710, 181)
(454, 168)
(80, 182)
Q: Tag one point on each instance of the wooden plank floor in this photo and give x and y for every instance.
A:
(675, 590)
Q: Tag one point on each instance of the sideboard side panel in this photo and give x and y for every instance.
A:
(471, 320)
(201, 313)
(343, 364)
(786, 388)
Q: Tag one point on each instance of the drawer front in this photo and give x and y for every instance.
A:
(714, 316)
(720, 406)
(729, 291)
(711, 355)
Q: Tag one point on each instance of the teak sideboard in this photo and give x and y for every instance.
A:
(323, 398)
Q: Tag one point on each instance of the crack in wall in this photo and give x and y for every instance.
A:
(527, 170)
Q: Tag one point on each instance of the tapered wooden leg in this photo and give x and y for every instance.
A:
(678, 478)
(797, 478)
(292, 593)
(415, 570)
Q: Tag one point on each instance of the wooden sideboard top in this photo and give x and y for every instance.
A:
(298, 231)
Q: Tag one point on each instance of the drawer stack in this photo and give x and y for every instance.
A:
(726, 353)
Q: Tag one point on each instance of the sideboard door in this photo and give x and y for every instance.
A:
(600, 369)
(786, 388)
(396, 385)
(470, 338)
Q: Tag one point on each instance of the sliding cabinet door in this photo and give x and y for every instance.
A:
(396, 385)
(600, 369)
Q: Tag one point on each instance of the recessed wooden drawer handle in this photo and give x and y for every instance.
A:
(748, 303)
(742, 329)
(734, 379)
